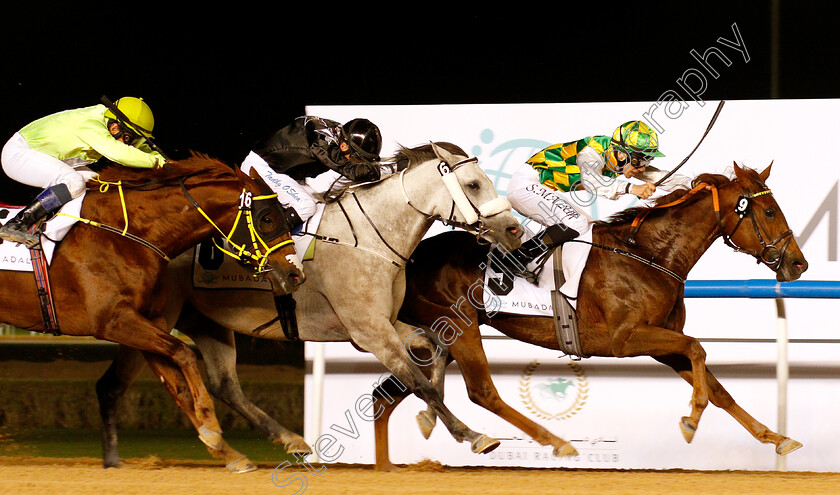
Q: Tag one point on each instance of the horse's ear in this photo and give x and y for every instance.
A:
(766, 172)
(253, 176)
(443, 154)
(741, 175)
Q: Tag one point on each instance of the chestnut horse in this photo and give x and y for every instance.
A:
(625, 307)
(110, 286)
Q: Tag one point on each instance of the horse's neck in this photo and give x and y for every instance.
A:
(680, 235)
(384, 209)
(166, 219)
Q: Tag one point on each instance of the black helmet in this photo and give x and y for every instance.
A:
(364, 138)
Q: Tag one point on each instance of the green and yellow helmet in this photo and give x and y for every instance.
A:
(139, 115)
(636, 137)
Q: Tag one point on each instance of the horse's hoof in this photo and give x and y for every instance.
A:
(387, 468)
(484, 444)
(787, 446)
(426, 421)
(241, 465)
(687, 430)
(210, 438)
(565, 450)
(298, 446)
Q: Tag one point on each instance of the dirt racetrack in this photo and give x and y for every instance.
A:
(48, 476)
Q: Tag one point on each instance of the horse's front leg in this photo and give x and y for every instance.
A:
(649, 340)
(721, 398)
(423, 348)
(379, 337)
(176, 384)
(218, 348)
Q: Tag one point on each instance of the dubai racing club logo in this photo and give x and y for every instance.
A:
(559, 397)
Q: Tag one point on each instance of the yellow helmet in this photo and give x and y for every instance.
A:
(137, 112)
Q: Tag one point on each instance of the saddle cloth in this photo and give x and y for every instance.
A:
(15, 257)
(520, 297)
(213, 269)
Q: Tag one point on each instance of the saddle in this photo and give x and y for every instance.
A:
(537, 296)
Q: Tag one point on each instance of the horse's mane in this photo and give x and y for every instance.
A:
(423, 153)
(196, 163)
(717, 180)
(403, 158)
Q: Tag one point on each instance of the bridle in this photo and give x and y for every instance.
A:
(771, 253)
(474, 216)
(244, 243)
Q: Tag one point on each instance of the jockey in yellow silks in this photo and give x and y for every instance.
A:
(52, 152)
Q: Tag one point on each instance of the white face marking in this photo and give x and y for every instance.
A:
(295, 261)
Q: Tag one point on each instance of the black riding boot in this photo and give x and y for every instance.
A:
(517, 260)
(17, 229)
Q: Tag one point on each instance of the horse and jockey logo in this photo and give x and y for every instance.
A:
(559, 397)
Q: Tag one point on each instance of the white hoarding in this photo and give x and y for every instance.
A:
(632, 407)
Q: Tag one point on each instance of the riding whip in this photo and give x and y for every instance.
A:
(709, 128)
(124, 120)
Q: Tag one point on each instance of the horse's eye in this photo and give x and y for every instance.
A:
(266, 223)
(474, 186)
(770, 212)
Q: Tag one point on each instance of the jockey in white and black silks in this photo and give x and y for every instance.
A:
(52, 152)
(317, 149)
(542, 189)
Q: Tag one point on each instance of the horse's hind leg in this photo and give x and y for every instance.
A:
(721, 398)
(649, 340)
(468, 351)
(127, 365)
(218, 348)
(388, 394)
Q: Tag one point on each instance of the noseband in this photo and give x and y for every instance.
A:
(770, 254)
(473, 215)
(254, 251)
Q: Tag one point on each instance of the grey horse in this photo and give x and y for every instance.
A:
(354, 289)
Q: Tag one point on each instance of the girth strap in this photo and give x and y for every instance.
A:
(565, 316)
(42, 283)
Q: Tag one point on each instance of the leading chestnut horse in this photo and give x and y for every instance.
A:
(109, 286)
(625, 307)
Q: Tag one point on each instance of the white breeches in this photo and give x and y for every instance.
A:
(289, 191)
(33, 168)
(542, 204)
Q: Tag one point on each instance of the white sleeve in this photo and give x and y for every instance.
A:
(676, 181)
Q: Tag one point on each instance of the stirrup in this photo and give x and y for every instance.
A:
(20, 236)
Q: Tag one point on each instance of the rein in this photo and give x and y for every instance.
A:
(240, 252)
